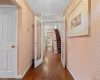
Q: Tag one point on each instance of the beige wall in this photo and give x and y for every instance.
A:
(83, 53)
(25, 35)
(5, 2)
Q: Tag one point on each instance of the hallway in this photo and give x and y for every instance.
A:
(51, 69)
(71, 28)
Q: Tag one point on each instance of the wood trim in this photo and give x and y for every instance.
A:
(89, 16)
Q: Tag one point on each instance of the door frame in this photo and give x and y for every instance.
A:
(64, 44)
(62, 21)
(15, 13)
(41, 60)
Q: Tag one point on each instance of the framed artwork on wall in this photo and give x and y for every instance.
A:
(79, 20)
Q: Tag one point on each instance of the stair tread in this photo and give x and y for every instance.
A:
(58, 40)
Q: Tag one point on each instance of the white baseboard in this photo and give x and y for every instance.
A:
(21, 76)
(71, 73)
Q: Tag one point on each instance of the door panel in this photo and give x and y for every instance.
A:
(1, 33)
(9, 32)
(8, 45)
(1, 60)
(9, 54)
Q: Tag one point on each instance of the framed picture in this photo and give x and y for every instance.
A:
(79, 20)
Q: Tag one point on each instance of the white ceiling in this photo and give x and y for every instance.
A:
(49, 27)
(48, 6)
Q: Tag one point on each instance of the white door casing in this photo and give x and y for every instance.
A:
(8, 43)
(63, 43)
(57, 18)
(38, 46)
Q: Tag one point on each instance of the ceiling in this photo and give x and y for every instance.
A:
(48, 6)
(49, 27)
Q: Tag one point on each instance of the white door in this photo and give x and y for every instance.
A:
(49, 42)
(38, 42)
(7, 42)
(63, 43)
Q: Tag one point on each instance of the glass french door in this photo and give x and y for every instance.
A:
(38, 44)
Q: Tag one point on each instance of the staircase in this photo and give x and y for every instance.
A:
(58, 39)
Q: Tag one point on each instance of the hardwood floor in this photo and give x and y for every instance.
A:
(50, 69)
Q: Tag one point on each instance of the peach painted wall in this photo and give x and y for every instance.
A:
(25, 36)
(83, 53)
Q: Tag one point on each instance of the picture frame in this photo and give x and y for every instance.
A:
(79, 19)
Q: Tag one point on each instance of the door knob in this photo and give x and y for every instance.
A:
(12, 46)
